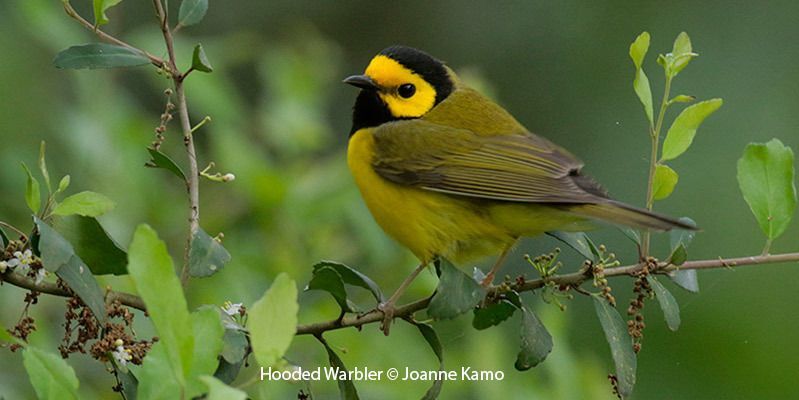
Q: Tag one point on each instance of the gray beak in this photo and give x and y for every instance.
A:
(361, 81)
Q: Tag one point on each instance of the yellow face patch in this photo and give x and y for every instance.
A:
(389, 76)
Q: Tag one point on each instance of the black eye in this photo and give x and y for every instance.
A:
(407, 90)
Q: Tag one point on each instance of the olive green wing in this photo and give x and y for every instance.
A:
(519, 167)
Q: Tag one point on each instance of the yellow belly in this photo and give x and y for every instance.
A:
(433, 224)
(428, 223)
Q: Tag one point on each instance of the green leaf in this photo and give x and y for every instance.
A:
(456, 294)
(199, 61)
(218, 390)
(671, 311)
(33, 195)
(682, 236)
(43, 167)
(58, 256)
(682, 45)
(578, 241)
(99, 55)
(328, 280)
(3, 238)
(234, 346)
(682, 99)
(663, 61)
(679, 255)
(638, 50)
(679, 240)
(352, 277)
(345, 386)
(631, 234)
(494, 314)
(665, 181)
(621, 346)
(273, 321)
(161, 160)
(151, 270)
(88, 204)
(227, 372)
(207, 332)
(207, 255)
(682, 54)
(431, 337)
(766, 178)
(80, 279)
(54, 250)
(156, 376)
(683, 129)
(130, 385)
(686, 279)
(63, 184)
(536, 342)
(192, 11)
(52, 378)
(644, 92)
(99, 10)
(101, 253)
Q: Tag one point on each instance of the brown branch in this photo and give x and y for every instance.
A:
(406, 311)
(26, 282)
(574, 279)
(192, 180)
(157, 61)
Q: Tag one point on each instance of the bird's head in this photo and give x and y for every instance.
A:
(399, 83)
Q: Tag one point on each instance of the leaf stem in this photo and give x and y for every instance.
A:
(192, 179)
(157, 61)
(767, 247)
(653, 161)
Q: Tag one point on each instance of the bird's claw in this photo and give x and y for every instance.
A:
(388, 310)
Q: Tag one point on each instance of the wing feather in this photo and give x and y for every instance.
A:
(468, 157)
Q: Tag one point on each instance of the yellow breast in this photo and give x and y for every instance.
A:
(427, 223)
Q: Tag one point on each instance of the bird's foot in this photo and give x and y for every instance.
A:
(488, 280)
(388, 310)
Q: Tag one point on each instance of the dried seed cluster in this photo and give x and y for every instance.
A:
(642, 290)
(600, 282)
(166, 116)
(114, 340)
(78, 318)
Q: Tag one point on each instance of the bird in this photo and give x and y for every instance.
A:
(447, 172)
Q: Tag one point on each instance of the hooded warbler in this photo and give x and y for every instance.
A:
(447, 172)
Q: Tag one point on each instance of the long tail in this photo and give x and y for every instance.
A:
(622, 214)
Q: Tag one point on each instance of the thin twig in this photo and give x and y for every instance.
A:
(26, 282)
(572, 279)
(405, 311)
(193, 178)
(653, 161)
(157, 61)
(12, 227)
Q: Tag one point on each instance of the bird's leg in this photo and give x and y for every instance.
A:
(501, 260)
(387, 308)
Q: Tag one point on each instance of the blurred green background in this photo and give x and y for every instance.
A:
(280, 123)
